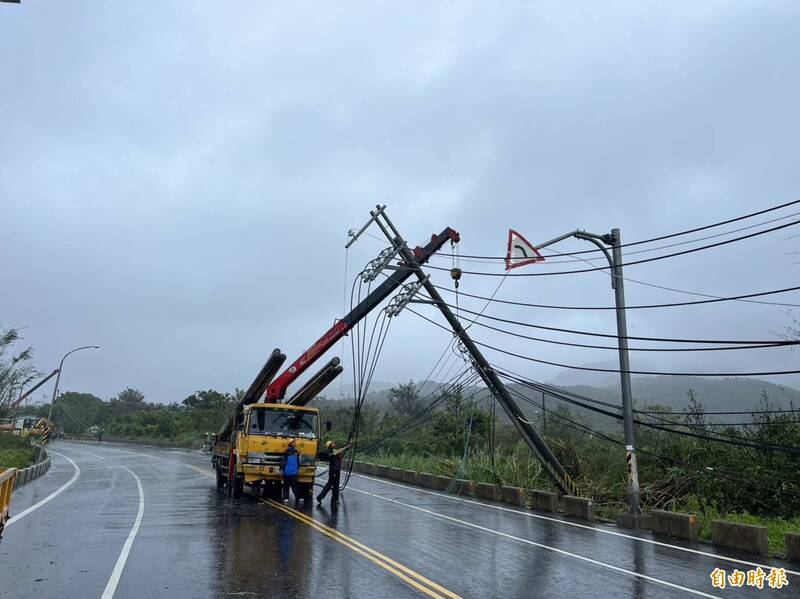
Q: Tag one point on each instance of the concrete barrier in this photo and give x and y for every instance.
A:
(409, 477)
(431, 481)
(486, 491)
(746, 537)
(674, 524)
(544, 501)
(381, 471)
(578, 507)
(461, 486)
(512, 496)
(370, 469)
(30, 473)
(793, 546)
(394, 474)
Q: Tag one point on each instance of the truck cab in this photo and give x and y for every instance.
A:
(252, 455)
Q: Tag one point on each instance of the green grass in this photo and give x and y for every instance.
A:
(16, 452)
(776, 527)
(508, 469)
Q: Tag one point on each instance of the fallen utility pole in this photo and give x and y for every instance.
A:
(552, 466)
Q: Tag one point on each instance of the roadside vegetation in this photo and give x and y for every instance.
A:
(16, 452)
(758, 485)
(128, 416)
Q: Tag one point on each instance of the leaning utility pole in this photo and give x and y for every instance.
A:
(535, 441)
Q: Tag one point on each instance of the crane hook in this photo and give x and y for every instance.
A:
(455, 274)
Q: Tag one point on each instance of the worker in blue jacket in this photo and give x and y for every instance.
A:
(290, 466)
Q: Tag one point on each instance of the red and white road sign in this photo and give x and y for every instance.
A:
(520, 251)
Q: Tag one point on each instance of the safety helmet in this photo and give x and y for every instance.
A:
(329, 444)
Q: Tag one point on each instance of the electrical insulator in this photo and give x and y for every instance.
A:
(401, 300)
(375, 266)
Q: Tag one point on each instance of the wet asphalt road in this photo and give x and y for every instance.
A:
(95, 535)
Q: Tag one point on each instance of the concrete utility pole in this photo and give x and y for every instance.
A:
(614, 239)
(534, 440)
(55, 389)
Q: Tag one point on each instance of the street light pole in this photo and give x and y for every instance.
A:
(635, 509)
(614, 239)
(55, 388)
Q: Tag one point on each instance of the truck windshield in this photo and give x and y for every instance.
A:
(283, 423)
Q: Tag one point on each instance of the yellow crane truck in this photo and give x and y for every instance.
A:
(252, 454)
(249, 448)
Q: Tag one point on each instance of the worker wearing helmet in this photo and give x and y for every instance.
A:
(335, 460)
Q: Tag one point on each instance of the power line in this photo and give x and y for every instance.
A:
(730, 440)
(731, 413)
(489, 259)
(768, 342)
(680, 233)
(642, 306)
(633, 263)
(642, 372)
(553, 389)
(719, 473)
(614, 348)
(614, 370)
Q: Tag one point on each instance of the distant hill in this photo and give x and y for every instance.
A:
(727, 394)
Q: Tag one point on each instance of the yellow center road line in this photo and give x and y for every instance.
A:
(377, 554)
(406, 574)
(340, 539)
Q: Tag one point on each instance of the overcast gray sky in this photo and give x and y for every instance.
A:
(177, 179)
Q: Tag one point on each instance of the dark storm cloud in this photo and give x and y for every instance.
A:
(177, 180)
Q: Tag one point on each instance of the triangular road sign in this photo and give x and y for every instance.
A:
(520, 251)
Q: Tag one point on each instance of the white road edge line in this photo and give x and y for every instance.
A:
(111, 587)
(577, 525)
(52, 495)
(542, 546)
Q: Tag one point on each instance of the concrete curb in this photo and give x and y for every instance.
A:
(431, 481)
(675, 524)
(486, 491)
(578, 507)
(26, 475)
(544, 501)
(751, 539)
(513, 496)
(746, 537)
(793, 546)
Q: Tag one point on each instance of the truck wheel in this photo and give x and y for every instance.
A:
(220, 479)
(237, 487)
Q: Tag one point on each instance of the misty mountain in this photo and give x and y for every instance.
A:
(727, 394)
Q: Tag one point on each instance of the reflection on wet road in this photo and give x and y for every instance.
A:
(85, 530)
